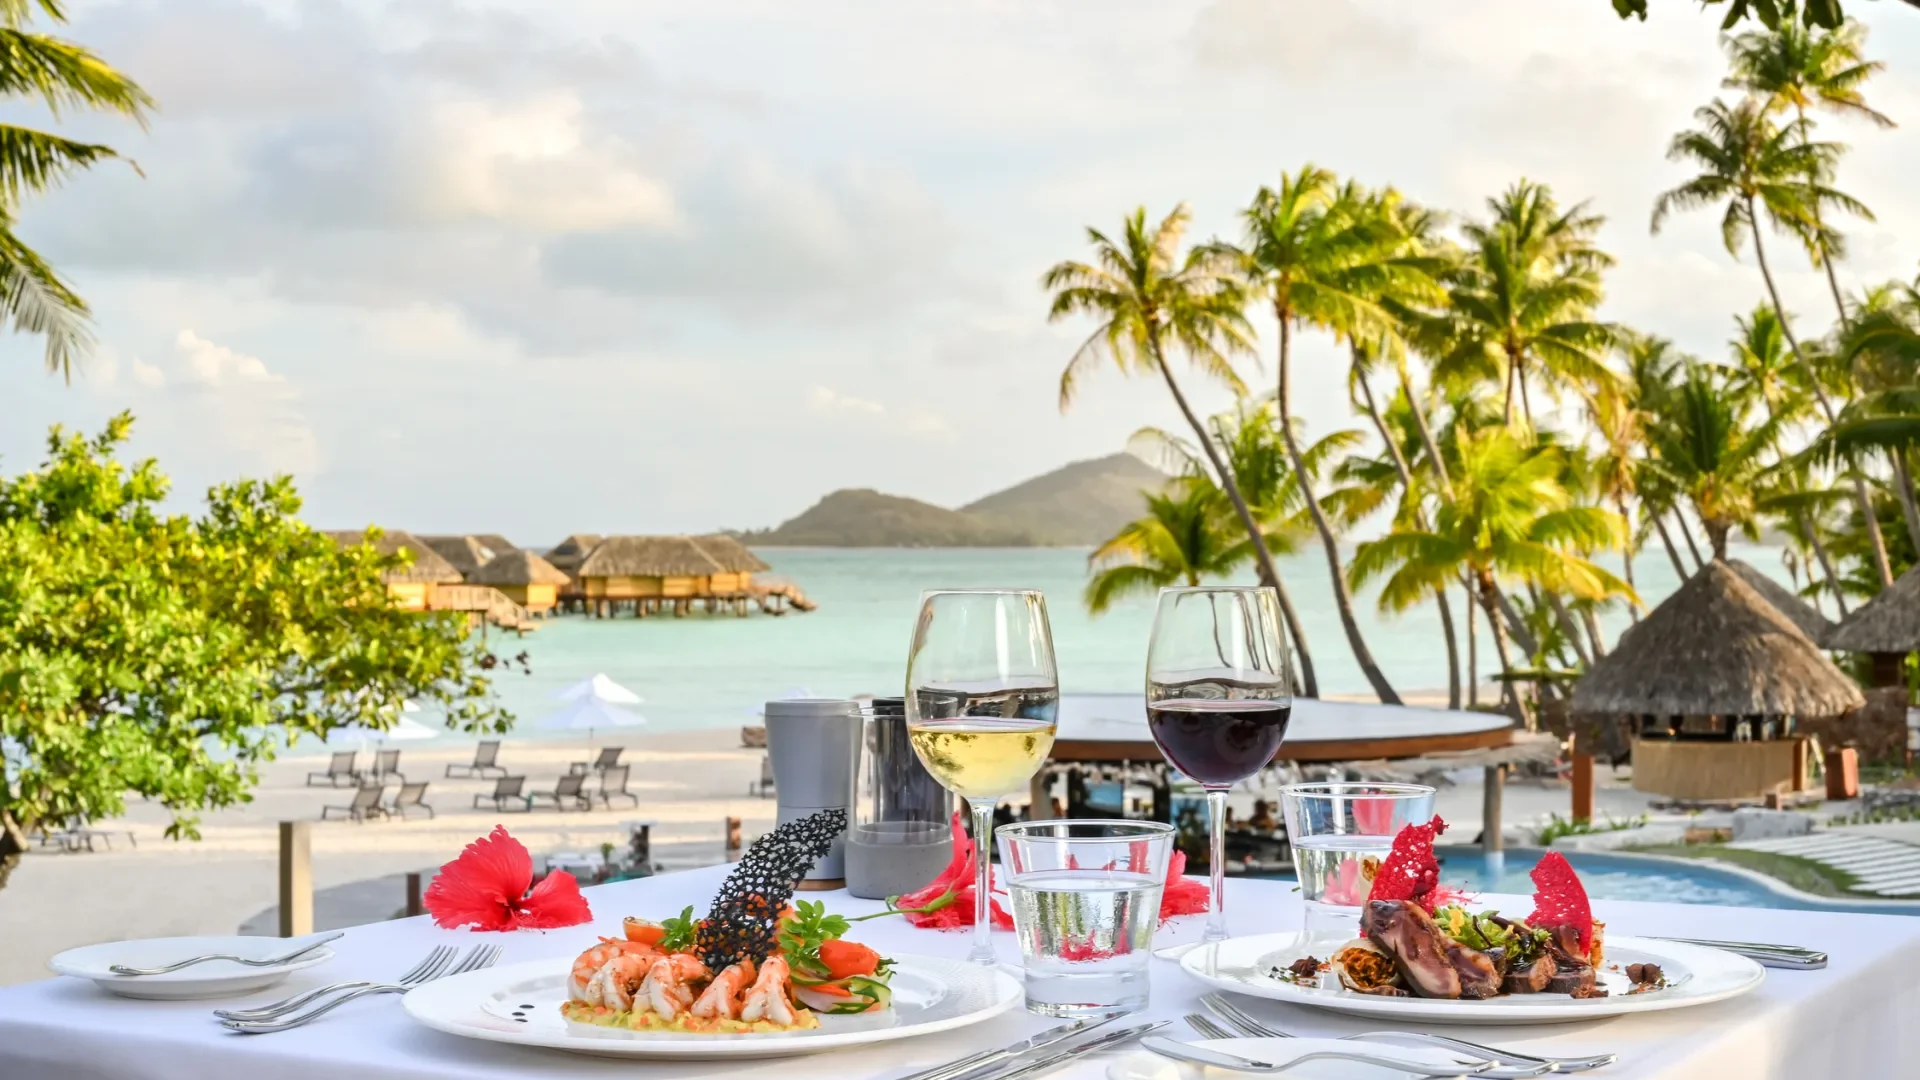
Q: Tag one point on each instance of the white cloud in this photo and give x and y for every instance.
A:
(148, 375)
(210, 364)
(824, 400)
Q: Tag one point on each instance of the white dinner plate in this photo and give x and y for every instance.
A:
(213, 979)
(1695, 976)
(521, 1004)
(1144, 1065)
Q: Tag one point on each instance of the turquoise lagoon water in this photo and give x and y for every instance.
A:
(714, 671)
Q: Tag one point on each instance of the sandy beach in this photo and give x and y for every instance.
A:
(688, 784)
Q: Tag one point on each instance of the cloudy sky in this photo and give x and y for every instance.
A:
(539, 266)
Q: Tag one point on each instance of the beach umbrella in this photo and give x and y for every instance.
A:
(404, 729)
(588, 714)
(599, 688)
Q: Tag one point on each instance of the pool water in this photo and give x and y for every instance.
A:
(1628, 877)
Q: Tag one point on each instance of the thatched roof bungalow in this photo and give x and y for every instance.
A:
(730, 554)
(650, 570)
(412, 586)
(1715, 676)
(1787, 602)
(524, 577)
(1887, 626)
(496, 543)
(465, 553)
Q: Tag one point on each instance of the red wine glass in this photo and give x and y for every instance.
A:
(1219, 696)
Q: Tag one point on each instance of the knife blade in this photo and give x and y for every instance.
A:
(1059, 1057)
(988, 1057)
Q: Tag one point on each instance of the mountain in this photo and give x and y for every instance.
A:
(863, 517)
(1079, 504)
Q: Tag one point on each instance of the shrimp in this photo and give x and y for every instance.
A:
(615, 983)
(665, 990)
(721, 999)
(768, 1000)
(588, 964)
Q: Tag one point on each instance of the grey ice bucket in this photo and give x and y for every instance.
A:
(814, 744)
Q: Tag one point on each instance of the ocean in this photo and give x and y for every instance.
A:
(715, 671)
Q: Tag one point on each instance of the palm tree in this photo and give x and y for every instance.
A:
(1150, 298)
(1713, 452)
(1797, 67)
(1882, 347)
(1752, 166)
(59, 75)
(1186, 536)
(1523, 298)
(1320, 255)
(1508, 516)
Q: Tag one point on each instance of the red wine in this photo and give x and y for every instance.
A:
(1219, 742)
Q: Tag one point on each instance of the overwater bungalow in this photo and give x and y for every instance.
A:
(412, 587)
(1715, 681)
(1886, 628)
(525, 578)
(649, 574)
(465, 553)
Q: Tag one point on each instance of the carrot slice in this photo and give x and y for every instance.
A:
(844, 958)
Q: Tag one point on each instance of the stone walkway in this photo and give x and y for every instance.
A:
(1882, 867)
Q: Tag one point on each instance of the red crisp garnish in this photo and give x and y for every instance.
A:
(1411, 872)
(1560, 900)
(947, 901)
(487, 888)
(1181, 896)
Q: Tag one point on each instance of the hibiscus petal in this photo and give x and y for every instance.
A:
(482, 887)
(555, 902)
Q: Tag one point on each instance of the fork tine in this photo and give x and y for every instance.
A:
(439, 965)
(1222, 1006)
(425, 964)
(1206, 1028)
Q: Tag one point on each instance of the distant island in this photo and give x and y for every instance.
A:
(1078, 505)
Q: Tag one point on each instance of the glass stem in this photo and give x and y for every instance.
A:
(982, 952)
(1217, 864)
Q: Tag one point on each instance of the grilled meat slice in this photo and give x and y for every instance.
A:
(1529, 978)
(1419, 950)
(1479, 977)
(1577, 981)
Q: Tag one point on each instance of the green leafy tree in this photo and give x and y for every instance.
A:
(61, 76)
(169, 656)
(1757, 168)
(1712, 450)
(1187, 536)
(1882, 349)
(1772, 14)
(1150, 299)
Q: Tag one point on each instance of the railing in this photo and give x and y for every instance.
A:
(484, 601)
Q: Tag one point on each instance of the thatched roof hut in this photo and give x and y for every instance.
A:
(1889, 623)
(466, 553)
(496, 543)
(568, 554)
(428, 566)
(649, 557)
(518, 568)
(732, 555)
(1784, 600)
(1716, 648)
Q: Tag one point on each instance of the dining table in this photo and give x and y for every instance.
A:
(1857, 1017)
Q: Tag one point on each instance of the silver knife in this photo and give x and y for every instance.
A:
(987, 1057)
(1792, 957)
(1060, 1057)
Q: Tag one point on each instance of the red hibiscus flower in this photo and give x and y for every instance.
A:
(1181, 896)
(487, 888)
(946, 902)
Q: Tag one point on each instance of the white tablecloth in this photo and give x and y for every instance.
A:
(1860, 1017)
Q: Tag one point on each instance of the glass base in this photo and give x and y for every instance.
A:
(1101, 993)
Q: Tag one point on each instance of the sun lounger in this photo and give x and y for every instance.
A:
(763, 787)
(609, 757)
(568, 790)
(613, 785)
(411, 797)
(506, 792)
(486, 759)
(340, 768)
(386, 763)
(366, 803)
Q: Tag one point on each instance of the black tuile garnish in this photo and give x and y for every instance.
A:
(746, 911)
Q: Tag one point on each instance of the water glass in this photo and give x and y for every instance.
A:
(1341, 834)
(1086, 899)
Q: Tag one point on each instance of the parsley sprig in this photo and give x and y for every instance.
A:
(681, 932)
(809, 928)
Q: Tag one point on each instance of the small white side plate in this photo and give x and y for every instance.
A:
(213, 979)
(1142, 1065)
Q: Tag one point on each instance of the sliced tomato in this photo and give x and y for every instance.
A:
(843, 958)
(643, 931)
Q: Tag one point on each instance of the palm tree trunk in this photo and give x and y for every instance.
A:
(1491, 599)
(1717, 537)
(1686, 533)
(1666, 539)
(1568, 627)
(1426, 439)
(1513, 370)
(1626, 557)
(1453, 648)
(1526, 400)
(1594, 633)
(1309, 684)
(1860, 497)
(1903, 477)
(1342, 597)
(1473, 651)
(1826, 564)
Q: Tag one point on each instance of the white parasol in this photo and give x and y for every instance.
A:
(599, 688)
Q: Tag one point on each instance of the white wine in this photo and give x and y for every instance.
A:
(983, 757)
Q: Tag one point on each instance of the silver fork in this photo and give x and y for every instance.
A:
(1233, 1062)
(271, 961)
(426, 969)
(480, 956)
(1519, 1064)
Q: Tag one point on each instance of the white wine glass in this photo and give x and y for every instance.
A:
(1218, 700)
(982, 693)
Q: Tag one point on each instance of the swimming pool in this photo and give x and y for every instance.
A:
(1635, 877)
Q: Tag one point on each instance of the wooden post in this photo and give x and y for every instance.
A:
(733, 838)
(1843, 773)
(296, 878)
(1583, 787)
(1491, 838)
(414, 906)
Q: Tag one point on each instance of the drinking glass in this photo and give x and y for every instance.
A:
(982, 692)
(1086, 897)
(1219, 696)
(1341, 834)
